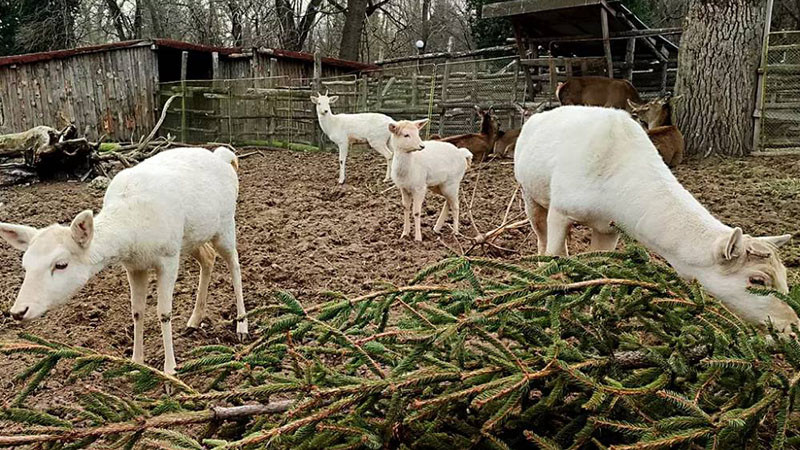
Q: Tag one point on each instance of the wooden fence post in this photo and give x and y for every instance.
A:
(607, 42)
(184, 67)
(318, 137)
(445, 78)
(630, 59)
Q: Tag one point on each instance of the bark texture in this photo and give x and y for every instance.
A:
(354, 17)
(717, 75)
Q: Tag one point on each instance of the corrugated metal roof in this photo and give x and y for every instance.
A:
(178, 45)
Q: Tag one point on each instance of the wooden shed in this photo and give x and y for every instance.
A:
(561, 38)
(112, 89)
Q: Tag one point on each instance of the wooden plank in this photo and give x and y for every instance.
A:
(521, 49)
(518, 7)
(607, 42)
(184, 70)
(630, 58)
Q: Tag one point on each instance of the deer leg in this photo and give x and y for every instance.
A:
(384, 150)
(442, 218)
(205, 256)
(167, 273)
(343, 148)
(418, 196)
(406, 212)
(537, 216)
(225, 244)
(558, 226)
(138, 284)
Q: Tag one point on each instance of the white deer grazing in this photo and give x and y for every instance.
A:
(597, 167)
(346, 129)
(419, 166)
(178, 202)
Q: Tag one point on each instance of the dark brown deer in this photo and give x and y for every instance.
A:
(597, 91)
(480, 144)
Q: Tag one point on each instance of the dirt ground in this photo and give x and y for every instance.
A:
(301, 232)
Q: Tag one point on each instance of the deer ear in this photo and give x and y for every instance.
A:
(315, 99)
(18, 236)
(393, 128)
(82, 228)
(421, 123)
(777, 241)
(334, 98)
(734, 245)
(632, 105)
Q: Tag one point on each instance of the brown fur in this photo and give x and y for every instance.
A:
(653, 114)
(506, 142)
(480, 144)
(669, 142)
(597, 91)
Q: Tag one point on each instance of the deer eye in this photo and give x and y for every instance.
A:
(61, 266)
(758, 281)
(407, 135)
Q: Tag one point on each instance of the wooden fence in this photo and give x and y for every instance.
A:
(276, 111)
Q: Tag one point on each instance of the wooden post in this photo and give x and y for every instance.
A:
(184, 69)
(607, 42)
(317, 71)
(273, 72)
(318, 137)
(553, 78)
(445, 78)
(630, 59)
(414, 90)
(758, 110)
(365, 91)
(215, 75)
(254, 65)
(521, 45)
(664, 76)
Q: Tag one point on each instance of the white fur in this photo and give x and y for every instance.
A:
(420, 165)
(596, 166)
(344, 129)
(179, 202)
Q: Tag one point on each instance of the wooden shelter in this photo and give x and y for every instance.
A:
(561, 38)
(113, 89)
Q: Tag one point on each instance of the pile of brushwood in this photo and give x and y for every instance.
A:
(604, 350)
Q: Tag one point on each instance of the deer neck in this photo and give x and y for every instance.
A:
(326, 121)
(107, 243)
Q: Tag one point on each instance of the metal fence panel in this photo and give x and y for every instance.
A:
(780, 102)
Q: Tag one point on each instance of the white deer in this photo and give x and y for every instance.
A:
(345, 129)
(421, 165)
(597, 167)
(179, 202)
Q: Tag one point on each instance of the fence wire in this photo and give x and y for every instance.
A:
(277, 111)
(780, 103)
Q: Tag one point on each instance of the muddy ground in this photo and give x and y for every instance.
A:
(301, 232)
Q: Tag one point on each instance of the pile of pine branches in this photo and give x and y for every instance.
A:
(606, 350)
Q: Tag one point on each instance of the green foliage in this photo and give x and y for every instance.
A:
(597, 351)
(487, 32)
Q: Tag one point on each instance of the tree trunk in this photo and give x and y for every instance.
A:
(718, 74)
(354, 18)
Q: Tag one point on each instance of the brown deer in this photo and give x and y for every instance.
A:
(655, 116)
(480, 144)
(597, 91)
(507, 140)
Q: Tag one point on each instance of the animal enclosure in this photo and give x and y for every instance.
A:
(780, 101)
(277, 111)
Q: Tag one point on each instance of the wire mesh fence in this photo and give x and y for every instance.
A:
(277, 111)
(780, 102)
